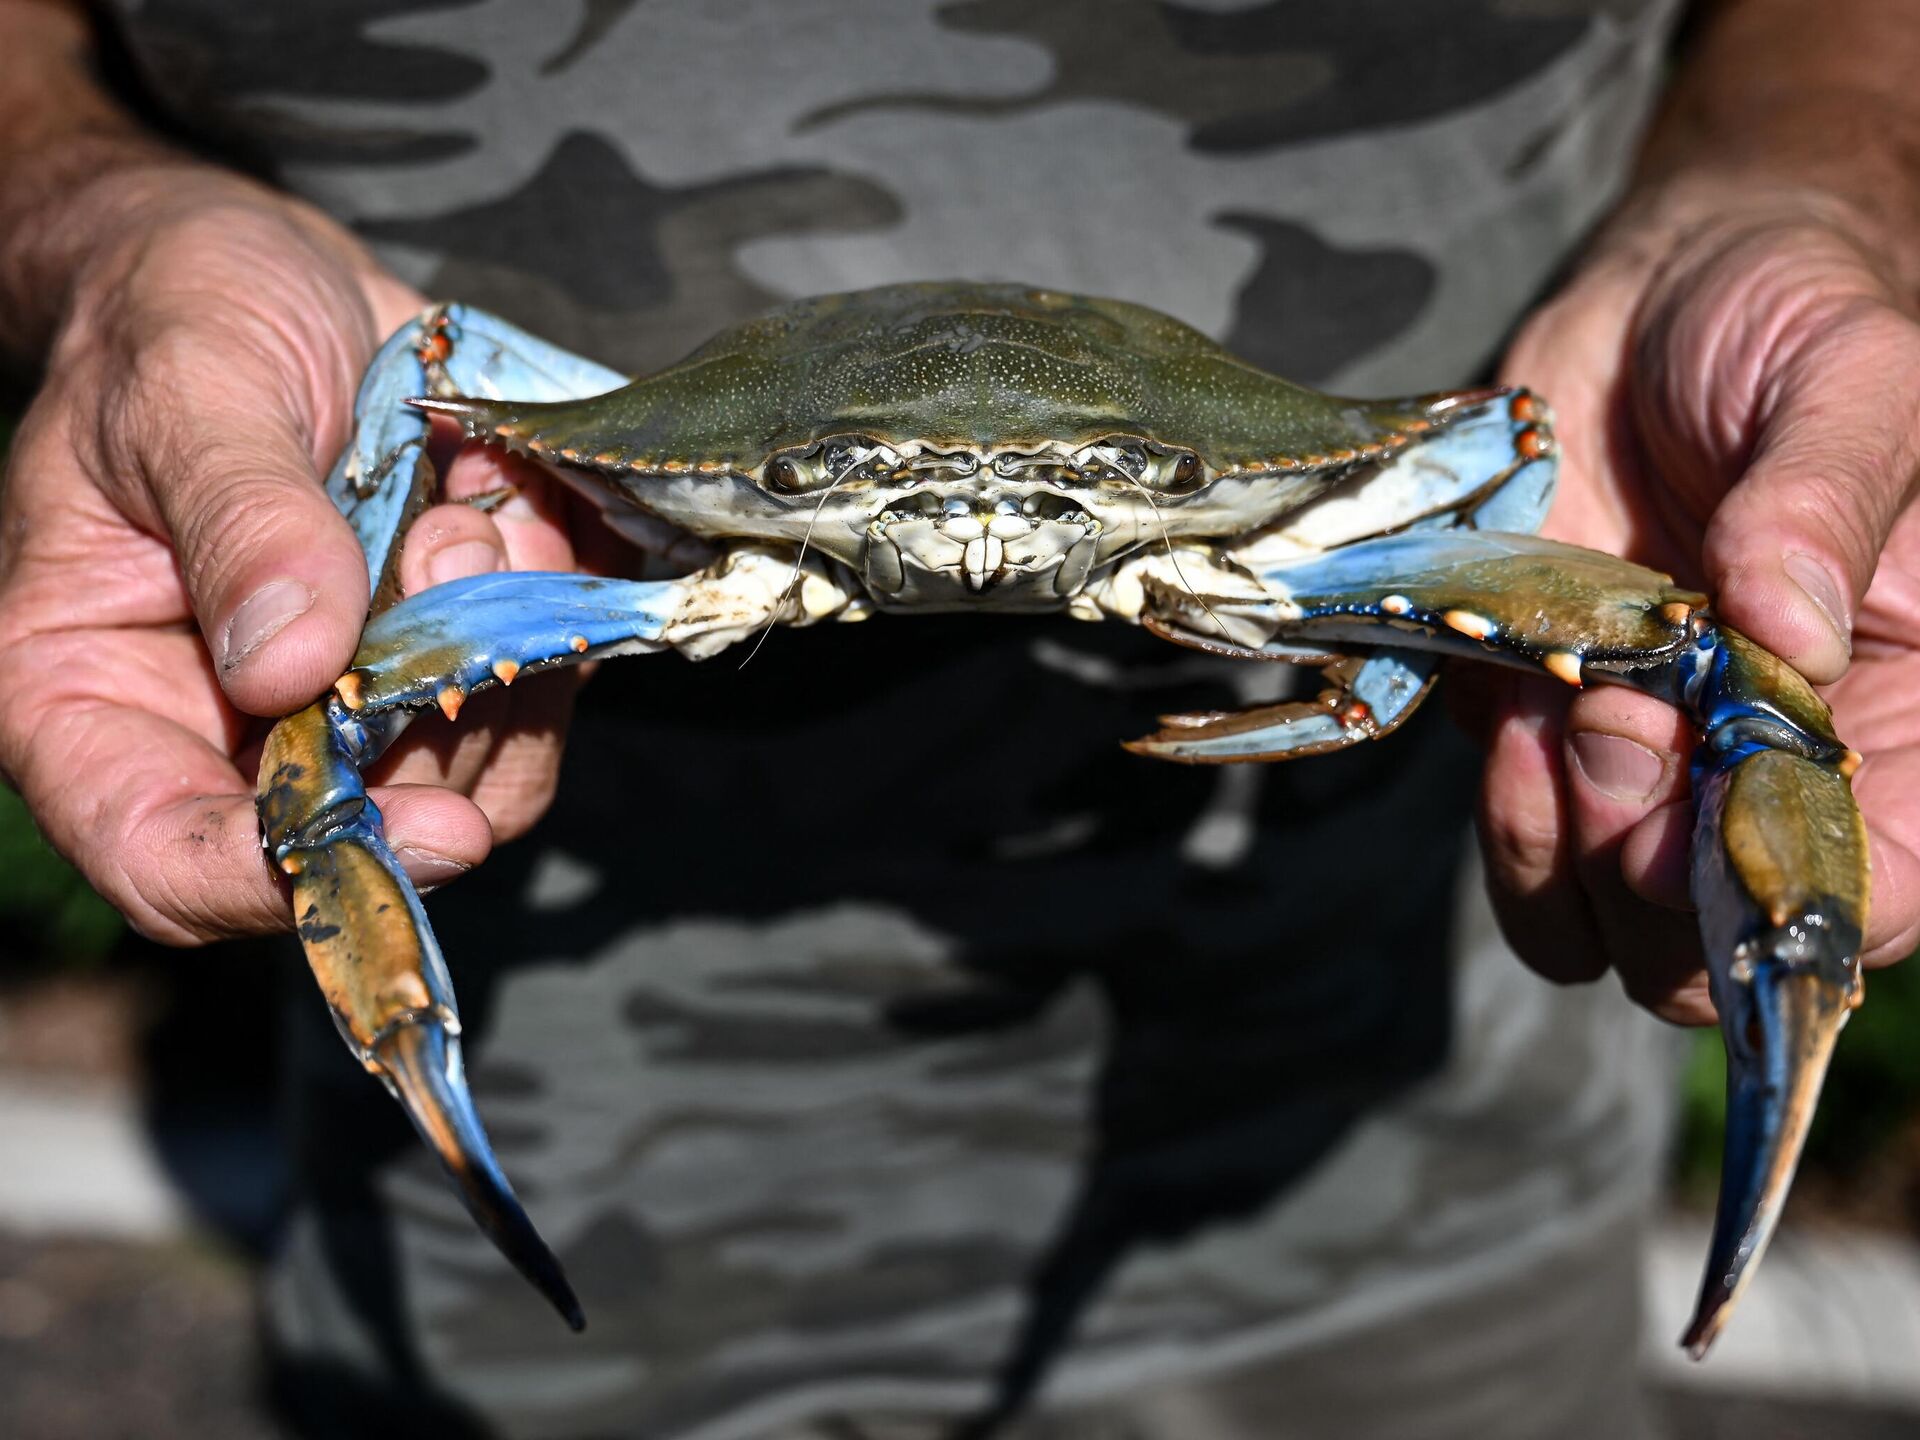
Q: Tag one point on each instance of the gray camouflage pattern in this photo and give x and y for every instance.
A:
(1053, 1094)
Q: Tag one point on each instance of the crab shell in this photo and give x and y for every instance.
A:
(965, 446)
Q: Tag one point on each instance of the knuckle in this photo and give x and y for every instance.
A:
(231, 520)
(162, 894)
(139, 429)
(220, 476)
(519, 787)
(242, 377)
(513, 816)
(185, 268)
(1833, 502)
(1525, 848)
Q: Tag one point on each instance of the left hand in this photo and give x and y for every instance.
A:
(1737, 392)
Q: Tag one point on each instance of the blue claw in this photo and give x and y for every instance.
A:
(1780, 882)
(380, 967)
(419, 1059)
(1780, 1027)
(1785, 971)
(1368, 699)
(1780, 864)
(360, 920)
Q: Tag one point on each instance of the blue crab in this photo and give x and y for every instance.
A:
(995, 447)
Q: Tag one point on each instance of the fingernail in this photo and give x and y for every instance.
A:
(1819, 587)
(428, 868)
(261, 616)
(456, 562)
(1616, 766)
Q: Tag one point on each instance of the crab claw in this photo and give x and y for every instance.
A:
(1781, 878)
(1781, 1017)
(419, 1058)
(370, 947)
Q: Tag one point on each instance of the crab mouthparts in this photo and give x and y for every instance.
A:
(983, 559)
(1033, 550)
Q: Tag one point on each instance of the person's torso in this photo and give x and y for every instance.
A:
(864, 1020)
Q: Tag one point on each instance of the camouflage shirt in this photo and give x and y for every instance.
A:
(875, 1042)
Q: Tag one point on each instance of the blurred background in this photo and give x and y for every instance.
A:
(142, 1182)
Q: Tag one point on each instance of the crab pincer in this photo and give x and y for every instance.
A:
(1780, 876)
(369, 945)
(365, 933)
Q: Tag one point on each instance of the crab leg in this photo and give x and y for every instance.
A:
(1779, 852)
(1366, 699)
(383, 480)
(359, 918)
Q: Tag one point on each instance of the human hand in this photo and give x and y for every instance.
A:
(170, 567)
(1738, 403)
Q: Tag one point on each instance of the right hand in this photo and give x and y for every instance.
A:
(170, 566)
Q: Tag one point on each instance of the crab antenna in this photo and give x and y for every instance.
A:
(1166, 537)
(800, 560)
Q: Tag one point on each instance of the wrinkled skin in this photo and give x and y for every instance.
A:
(1747, 392)
(166, 473)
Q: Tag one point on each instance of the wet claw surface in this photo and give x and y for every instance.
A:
(1781, 879)
(373, 953)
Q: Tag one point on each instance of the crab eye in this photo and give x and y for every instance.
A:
(1183, 476)
(788, 476)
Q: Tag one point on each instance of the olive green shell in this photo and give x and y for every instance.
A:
(953, 365)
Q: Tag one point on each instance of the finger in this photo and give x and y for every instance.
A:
(522, 773)
(1793, 548)
(437, 836)
(450, 542)
(504, 751)
(1525, 833)
(1656, 859)
(1626, 767)
(532, 522)
(276, 579)
(1627, 758)
(1885, 785)
(203, 876)
(1873, 711)
(163, 826)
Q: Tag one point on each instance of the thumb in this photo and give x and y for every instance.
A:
(276, 578)
(1792, 549)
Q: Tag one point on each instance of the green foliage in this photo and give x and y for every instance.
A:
(47, 912)
(1872, 1091)
(1703, 1114)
